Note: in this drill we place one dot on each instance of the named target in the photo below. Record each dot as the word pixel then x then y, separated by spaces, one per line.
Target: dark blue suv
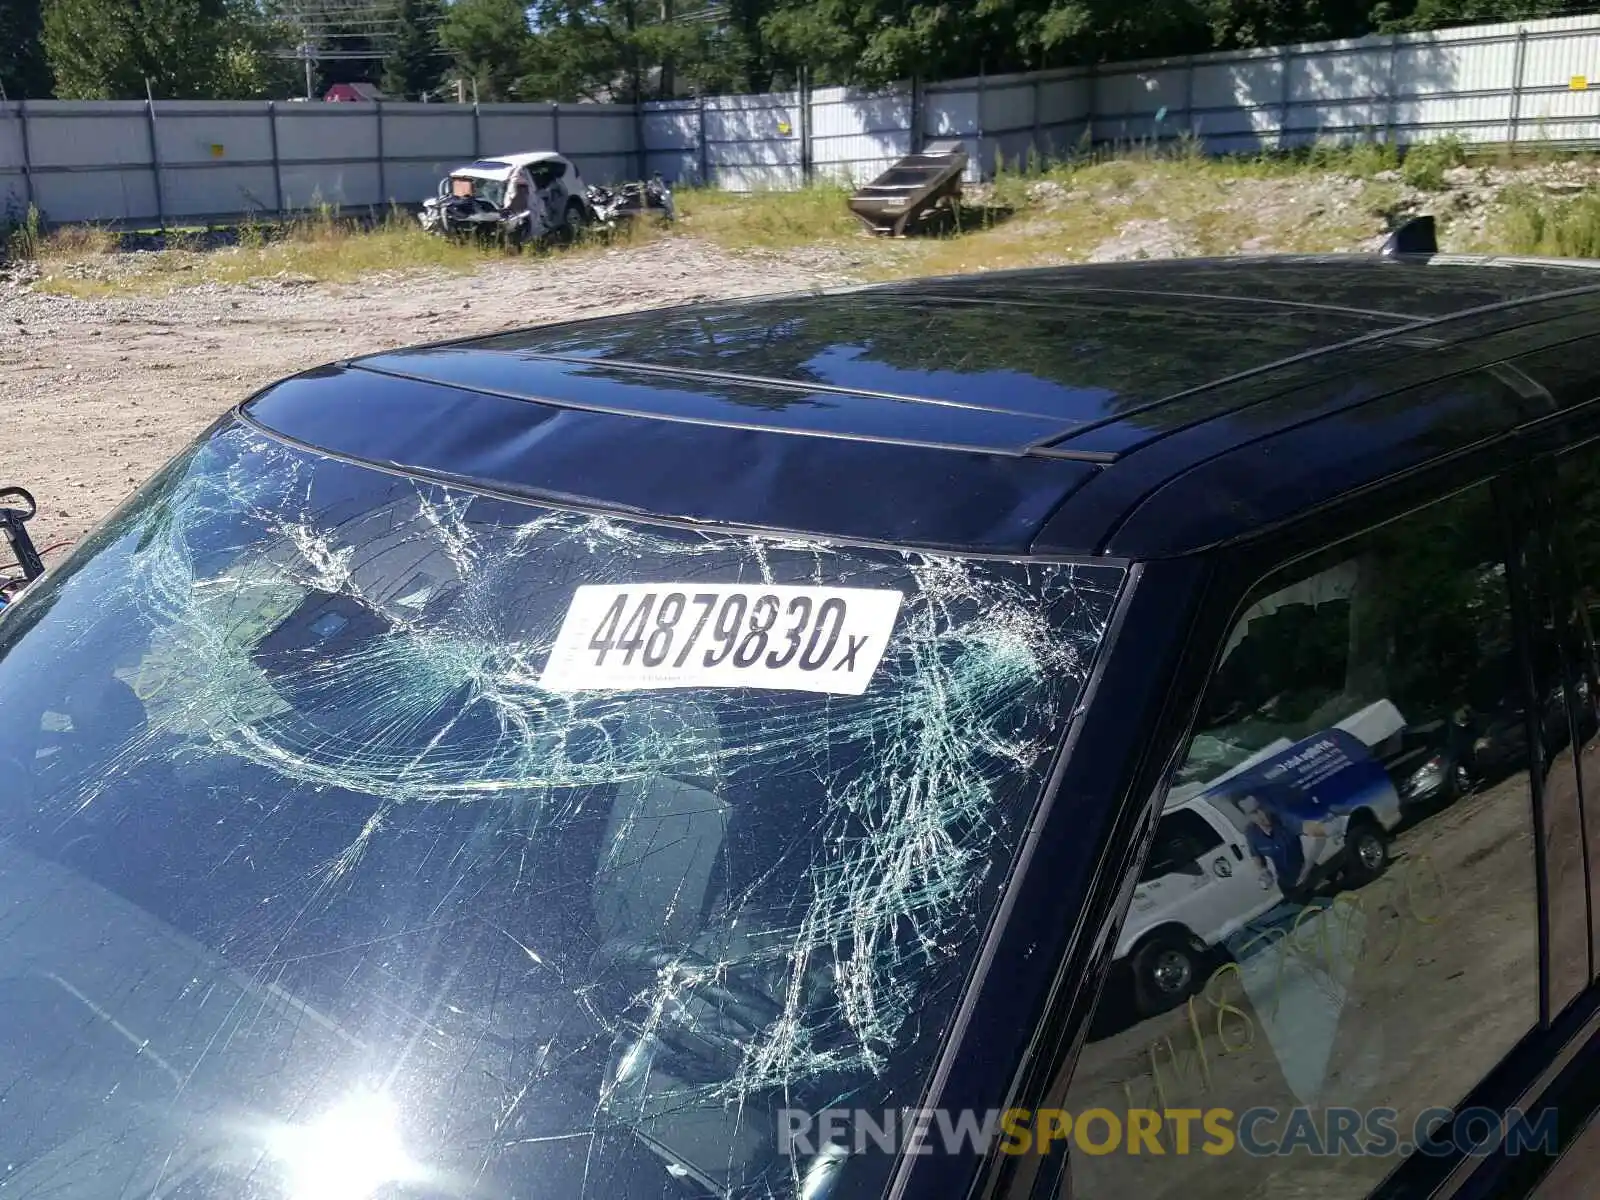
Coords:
pixel 717 752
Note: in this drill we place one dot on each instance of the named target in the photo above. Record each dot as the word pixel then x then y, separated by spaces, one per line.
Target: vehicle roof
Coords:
pixel 510 162
pixel 498 166
pixel 1137 409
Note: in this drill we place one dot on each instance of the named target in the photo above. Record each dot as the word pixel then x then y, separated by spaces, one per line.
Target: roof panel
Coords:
pixel 1403 288
pixel 600 386
pixel 1248 488
pixel 1316 384
pixel 1074 359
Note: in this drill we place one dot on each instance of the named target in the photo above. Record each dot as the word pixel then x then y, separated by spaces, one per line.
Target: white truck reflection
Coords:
pixel 1221 855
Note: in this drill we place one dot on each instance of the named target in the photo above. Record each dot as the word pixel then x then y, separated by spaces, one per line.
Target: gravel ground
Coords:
pixel 97 394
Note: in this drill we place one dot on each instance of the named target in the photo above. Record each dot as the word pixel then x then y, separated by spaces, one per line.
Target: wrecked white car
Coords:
pixel 515 198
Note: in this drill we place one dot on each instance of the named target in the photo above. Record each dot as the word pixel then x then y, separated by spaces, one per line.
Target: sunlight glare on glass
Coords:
pixel 347 1153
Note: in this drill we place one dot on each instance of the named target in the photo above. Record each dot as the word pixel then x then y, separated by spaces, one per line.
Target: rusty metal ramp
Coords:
pixel 912 191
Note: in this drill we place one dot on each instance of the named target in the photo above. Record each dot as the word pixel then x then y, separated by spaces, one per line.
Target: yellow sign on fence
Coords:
pixel 1580 83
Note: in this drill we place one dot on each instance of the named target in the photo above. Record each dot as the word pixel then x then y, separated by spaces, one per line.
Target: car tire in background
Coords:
pixel 1366 849
pixel 1166 970
pixel 575 221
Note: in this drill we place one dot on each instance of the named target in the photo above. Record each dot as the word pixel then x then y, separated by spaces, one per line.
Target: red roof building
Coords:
pixel 353 91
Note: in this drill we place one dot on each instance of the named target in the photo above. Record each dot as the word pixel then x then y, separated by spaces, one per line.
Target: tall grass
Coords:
pixel 20 234
pixel 1425 164
pixel 1531 223
pixel 23 237
pixel 320 245
pixel 771 220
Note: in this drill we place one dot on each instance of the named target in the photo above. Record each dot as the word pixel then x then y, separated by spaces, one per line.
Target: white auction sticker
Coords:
pixel 628 637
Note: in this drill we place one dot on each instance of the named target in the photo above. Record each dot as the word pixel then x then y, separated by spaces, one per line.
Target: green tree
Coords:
pixel 1402 16
pixel 108 49
pixel 619 49
pixel 24 71
pixel 490 42
pixel 575 55
pixel 415 62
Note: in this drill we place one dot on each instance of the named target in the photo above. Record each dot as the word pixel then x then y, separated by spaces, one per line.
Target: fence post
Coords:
pixel 807 144
pixel 916 134
pixel 277 165
pixel 1188 98
pixel 383 176
pixel 477 136
pixel 555 127
pixel 1034 137
pixel 1516 81
pixel 982 159
pixel 700 138
pixel 155 158
pixel 638 139
pixel 1089 110
pixel 1286 58
pixel 1390 85
pixel 27 156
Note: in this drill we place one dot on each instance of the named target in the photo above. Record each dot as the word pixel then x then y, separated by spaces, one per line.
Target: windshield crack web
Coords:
pixel 382 638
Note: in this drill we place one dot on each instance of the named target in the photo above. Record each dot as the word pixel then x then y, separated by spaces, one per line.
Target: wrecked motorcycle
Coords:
pixel 632 199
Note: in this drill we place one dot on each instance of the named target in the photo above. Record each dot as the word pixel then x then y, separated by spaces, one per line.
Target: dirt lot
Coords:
pixel 96 394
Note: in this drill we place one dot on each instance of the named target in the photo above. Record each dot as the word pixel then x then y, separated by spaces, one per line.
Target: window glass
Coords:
pixel 1181 838
pixel 1363 947
pixel 1556 651
pixel 1577 527
pixel 546 173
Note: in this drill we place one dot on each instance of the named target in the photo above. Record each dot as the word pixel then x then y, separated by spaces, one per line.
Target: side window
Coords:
pixel 546 173
pixel 1372 949
pixel 1181 837
pixel 1556 654
pixel 1577 525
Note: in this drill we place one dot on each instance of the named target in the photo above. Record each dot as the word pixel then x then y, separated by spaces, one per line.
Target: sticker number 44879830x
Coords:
pixel 629 637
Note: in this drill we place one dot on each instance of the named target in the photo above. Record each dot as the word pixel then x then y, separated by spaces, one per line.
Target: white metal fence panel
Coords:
pixel 129 161
pixel 754 143
pixel 672 131
pixel 13 182
pixel 854 135
pixel 602 140
pixel 1063 108
pixel 857 135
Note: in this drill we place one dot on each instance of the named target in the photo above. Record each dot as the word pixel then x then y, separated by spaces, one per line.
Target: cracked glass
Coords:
pixel 312 889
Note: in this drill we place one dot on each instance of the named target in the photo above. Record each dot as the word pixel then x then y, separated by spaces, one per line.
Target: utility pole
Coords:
pixel 631 23
pixel 668 91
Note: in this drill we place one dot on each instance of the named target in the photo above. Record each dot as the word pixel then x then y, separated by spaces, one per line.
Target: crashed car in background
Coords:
pixel 515 198
pixel 631 200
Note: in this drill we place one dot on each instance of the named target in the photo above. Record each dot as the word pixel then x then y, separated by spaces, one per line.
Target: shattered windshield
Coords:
pixel 365 836
pixel 491 191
